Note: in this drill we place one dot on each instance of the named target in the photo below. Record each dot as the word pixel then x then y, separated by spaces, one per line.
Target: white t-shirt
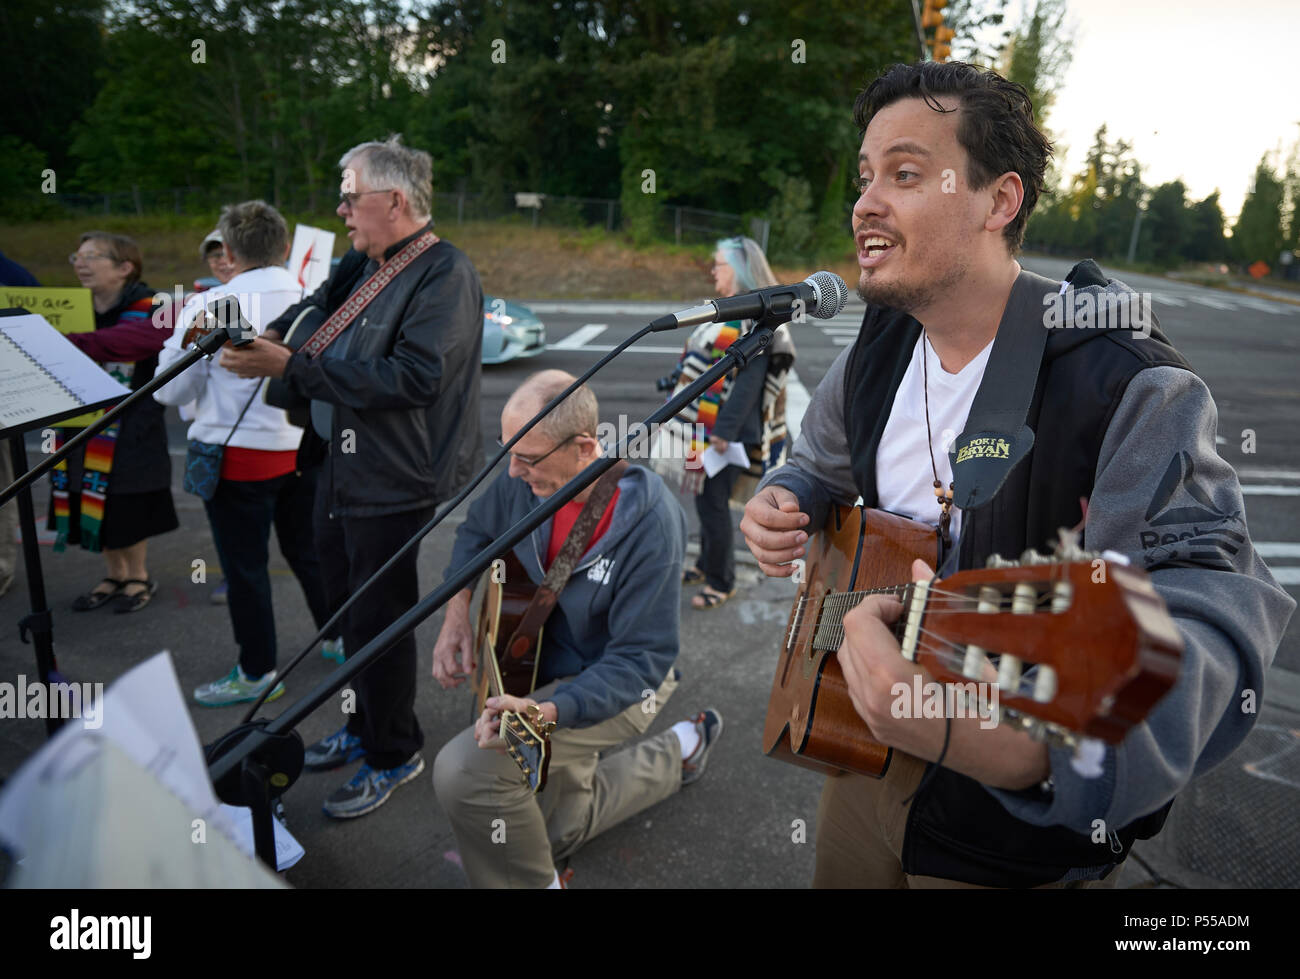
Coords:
pixel 904 479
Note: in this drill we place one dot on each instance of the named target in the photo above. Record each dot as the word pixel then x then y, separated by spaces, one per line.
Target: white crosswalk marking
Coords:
pixel 1165 299
pixel 1269 489
pixel 1272 548
pixel 1286 576
pixel 1262 306
pixel 1212 303
pixel 580 337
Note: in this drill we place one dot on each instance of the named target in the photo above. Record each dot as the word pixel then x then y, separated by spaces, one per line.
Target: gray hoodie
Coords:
pixel 615 627
pixel 1222 598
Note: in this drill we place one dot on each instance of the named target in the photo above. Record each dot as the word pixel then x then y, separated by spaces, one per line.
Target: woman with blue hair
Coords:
pixel 746 408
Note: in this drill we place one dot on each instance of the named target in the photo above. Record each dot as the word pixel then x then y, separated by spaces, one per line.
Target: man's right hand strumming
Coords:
pixel 773 530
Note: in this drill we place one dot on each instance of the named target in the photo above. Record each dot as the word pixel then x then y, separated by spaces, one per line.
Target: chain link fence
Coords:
pixel 679 224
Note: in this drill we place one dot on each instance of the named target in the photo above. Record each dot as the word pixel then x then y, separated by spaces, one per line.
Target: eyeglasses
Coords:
pixel 85 257
pixel 531 463
pixel 349 200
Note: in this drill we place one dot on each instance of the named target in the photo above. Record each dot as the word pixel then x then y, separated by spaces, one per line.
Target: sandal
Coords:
pixel 708 598
pixel 133 603
pixel 693 576
pixel 94 599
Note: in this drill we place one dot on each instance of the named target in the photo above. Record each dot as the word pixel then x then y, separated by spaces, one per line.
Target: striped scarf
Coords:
pixel 99 451
pixel 94 488
pixel 694 423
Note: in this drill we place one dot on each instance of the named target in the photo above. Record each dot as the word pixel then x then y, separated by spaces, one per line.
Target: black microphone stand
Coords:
pixel 39 623
pixel 254 763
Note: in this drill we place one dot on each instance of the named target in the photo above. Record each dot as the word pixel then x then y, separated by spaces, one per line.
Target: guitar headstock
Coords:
pixel 1085 646
pixel 529 747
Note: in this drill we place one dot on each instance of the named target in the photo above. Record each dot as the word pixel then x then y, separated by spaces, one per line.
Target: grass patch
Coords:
pixel 513 259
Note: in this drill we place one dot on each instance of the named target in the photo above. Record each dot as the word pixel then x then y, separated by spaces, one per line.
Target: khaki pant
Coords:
pixel 509 837
pixel 860 827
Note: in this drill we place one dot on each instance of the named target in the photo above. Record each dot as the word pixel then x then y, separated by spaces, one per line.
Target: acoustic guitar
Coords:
pixel 1100 637
pixel 507 592
pixel 275 392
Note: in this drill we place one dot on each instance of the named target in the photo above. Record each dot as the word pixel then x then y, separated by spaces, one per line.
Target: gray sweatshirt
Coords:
pixel 615 628
pixel 1222 598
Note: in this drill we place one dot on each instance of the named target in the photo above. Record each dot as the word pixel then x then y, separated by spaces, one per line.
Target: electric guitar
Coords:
pixel 507 592
pixel 1101 638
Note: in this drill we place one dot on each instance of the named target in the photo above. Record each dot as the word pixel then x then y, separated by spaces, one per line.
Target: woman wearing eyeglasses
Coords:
pixel 746 408
pixel 117 494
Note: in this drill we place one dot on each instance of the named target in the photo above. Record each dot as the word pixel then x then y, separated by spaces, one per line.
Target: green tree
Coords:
pixel 1205 241
pixel 1038 55
pixel 1168 221
pixel 1258 233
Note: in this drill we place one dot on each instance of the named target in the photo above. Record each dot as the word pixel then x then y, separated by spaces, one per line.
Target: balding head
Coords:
pixel 577 413
pixel 563 442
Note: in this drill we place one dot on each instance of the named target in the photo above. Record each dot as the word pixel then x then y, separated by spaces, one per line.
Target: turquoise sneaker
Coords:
pixel 236 688
pixel 333 649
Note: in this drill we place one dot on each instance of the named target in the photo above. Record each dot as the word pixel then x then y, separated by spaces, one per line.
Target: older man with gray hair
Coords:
pixel 391 370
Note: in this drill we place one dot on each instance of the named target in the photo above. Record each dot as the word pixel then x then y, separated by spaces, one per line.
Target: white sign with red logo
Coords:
pixel 309 262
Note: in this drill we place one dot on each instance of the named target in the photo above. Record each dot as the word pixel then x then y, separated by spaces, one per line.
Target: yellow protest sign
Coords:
pixel 67 310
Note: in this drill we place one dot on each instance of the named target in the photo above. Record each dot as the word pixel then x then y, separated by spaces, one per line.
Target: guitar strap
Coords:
pixel 342 317
pixel 996 436
pixel 557 576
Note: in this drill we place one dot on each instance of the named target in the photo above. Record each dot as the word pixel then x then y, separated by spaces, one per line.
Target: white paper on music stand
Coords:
pixel 143 712
pixel 714 461
pixel 42 373
pixel 309 259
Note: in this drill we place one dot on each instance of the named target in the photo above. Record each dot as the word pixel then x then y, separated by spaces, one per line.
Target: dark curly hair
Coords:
pixel 996 126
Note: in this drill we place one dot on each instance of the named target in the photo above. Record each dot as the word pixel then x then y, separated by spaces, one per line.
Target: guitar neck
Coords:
pixel 830 624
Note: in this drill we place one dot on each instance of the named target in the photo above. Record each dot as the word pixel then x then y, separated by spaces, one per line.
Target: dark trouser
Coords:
pixel 241 515
pixel 717 560
pixel 351 550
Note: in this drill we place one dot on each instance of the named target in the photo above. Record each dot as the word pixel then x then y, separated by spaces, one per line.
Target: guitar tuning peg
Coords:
pixel 998 561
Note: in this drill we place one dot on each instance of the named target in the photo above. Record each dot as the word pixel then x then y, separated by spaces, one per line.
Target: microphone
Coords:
pixel 230 320
pixel 823 295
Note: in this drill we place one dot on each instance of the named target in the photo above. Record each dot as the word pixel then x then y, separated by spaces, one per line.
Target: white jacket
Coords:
pixel 263 295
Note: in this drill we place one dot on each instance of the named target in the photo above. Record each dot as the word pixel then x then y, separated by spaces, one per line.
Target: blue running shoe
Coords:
pixel 370 788
pixel 332 752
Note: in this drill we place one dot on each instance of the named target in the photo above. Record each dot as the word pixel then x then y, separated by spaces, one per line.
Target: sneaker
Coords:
pixel 709 725
pixel 370 788
pixel 236 688
pixel 332 752
pixel 218 594
pixel 333 649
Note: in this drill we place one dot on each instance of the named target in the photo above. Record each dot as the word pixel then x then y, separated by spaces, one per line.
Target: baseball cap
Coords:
pixel 213 238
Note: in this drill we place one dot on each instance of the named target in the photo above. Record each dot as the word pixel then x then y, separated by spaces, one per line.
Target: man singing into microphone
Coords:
pixel 950 167
pixel 393 377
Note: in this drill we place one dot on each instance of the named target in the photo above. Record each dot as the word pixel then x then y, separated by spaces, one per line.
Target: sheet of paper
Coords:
pixel 68 365
pixel 27 394
pixel 288 850
pixel 100 821
pixel 715 461
pixel 143 713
